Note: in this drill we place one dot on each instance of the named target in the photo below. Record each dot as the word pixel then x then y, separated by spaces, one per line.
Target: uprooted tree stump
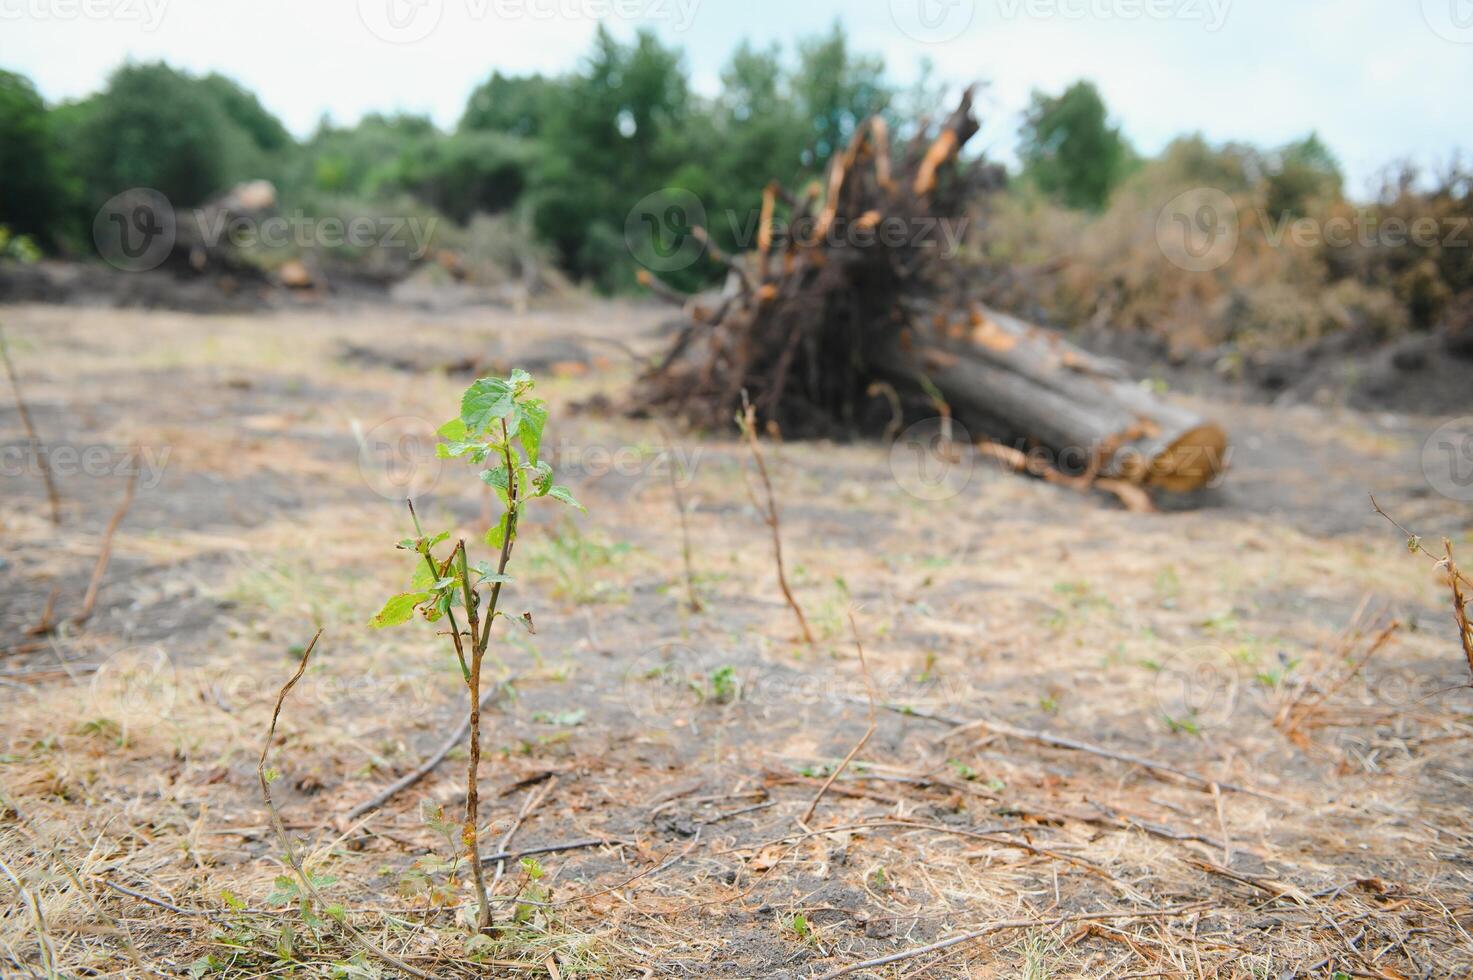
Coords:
pixel 847 295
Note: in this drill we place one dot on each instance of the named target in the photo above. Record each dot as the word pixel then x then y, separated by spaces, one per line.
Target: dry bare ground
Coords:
pixel 1297 802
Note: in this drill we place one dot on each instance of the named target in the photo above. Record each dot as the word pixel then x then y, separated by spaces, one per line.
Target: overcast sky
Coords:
pixel 1379 79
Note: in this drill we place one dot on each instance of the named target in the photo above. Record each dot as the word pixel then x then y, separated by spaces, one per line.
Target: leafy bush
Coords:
pixel 33 195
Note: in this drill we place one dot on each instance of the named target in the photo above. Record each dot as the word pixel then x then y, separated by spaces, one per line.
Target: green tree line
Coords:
pixel 567 155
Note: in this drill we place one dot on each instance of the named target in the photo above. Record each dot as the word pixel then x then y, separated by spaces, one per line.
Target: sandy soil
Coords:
pixel 1324 827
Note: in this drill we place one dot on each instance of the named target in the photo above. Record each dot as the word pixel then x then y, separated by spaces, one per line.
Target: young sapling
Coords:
pixel 500 430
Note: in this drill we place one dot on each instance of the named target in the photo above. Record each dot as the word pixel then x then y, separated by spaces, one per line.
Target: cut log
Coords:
pixel 1017 382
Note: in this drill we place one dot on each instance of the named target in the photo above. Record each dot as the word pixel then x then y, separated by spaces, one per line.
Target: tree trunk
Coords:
pixel 1013 381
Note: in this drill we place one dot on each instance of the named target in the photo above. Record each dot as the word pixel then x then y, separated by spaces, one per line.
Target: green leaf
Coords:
pixel 284 892
pixel 484 402
pixel 423 578
pixel 399 609
pixel 488 575
pixel 497 479
pixel 477 451
pixel 565 495
pixel 453 431
pixel 534 414
pixel 497 534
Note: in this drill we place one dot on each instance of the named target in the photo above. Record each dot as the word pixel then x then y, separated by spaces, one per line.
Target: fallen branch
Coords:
pixel 286 844
pixel 1005 924
pixel 424 768
pixel 869 732
pixel 37 447
pixel 1060 742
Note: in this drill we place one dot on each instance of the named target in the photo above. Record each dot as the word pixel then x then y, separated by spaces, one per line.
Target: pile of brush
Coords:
pixel 848 317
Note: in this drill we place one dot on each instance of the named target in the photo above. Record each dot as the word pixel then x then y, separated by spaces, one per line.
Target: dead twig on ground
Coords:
pixel 534 800
pixel 38 918
pixel 38 448
pixel 748 423
pixel 424 768
pixel 1005 924
pixel 868 732
pixel 1060 742
pixel 1303 706
pixel 104 553
pixel 285 840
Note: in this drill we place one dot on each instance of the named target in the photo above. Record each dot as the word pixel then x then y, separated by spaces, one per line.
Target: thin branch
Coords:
pixel 281 834
pixel 37 446
pixel 424 768
pixel 1003 924
pixel 1456 581
pixel 748 422
pixel 869 732
pixel 1060 742
pixel 105 552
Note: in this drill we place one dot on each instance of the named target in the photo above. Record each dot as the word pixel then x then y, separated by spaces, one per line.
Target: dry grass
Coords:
pixel 694 742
